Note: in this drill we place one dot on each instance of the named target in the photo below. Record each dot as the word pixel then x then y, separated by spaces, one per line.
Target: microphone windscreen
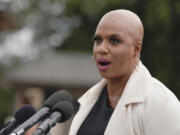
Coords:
pixel 57 97
pixel 65 108
pixel 24 113
pixel 76 106
pixel 21 115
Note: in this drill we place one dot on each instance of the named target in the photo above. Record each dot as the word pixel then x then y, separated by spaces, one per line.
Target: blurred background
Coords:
pixel 45 45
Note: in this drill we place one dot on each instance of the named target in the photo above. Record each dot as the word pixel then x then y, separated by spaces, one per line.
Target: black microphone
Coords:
pixel 44 112
pixel 26 111
pixel 76 106
pixel 61 112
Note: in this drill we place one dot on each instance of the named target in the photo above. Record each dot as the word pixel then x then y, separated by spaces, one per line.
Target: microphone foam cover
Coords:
pixel 57 97
pixel 24 113
pixel 76 106
pixel 66 109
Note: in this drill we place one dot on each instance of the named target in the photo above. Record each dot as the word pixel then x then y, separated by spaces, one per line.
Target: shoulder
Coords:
pixel 160 98
pixel 161 110
pixel 158 93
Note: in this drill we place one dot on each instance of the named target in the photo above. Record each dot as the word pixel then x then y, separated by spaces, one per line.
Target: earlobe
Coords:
pixel 138 47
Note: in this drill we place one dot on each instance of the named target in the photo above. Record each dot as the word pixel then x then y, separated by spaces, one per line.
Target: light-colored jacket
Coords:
pixel 146 107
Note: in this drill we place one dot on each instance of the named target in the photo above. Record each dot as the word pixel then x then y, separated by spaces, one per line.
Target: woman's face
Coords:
pixel 115 48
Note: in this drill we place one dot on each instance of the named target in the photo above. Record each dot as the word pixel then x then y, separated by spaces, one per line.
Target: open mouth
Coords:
pixel 103 64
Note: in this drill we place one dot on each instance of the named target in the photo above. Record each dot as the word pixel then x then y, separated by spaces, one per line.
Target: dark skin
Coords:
pixel 118 39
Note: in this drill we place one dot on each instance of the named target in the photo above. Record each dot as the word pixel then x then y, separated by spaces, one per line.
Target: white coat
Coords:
pixel 146 107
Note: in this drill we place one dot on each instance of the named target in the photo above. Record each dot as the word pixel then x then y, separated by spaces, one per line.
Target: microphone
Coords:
pixel 76 106
pixel 26 111
pixel 43 112
pixel 61 112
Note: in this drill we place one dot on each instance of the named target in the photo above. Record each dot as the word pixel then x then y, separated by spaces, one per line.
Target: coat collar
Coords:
pixel 134 91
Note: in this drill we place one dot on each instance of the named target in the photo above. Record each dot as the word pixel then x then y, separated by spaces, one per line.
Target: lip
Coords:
pixel 103 67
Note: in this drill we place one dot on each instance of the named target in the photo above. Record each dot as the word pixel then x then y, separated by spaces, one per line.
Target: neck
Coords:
pixel 116 86
pixel 115 89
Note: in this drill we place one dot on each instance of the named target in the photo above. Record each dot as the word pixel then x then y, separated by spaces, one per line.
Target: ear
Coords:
pixel 138 47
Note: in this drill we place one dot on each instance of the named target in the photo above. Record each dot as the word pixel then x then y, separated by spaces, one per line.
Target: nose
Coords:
pixel 103 48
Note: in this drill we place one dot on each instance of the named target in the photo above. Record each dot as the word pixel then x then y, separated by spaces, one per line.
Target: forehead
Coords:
pixel 124 24
pixel 113 25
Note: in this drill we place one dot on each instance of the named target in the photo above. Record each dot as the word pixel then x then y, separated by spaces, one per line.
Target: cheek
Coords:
pixel 94 52
pixel 124 57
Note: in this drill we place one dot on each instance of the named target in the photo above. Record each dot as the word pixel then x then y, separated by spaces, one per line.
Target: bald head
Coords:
pixel 126 21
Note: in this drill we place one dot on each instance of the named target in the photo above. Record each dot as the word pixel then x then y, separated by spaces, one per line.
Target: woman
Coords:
pixel 128 101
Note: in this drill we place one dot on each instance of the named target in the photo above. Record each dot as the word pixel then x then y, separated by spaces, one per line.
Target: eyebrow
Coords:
pixel 116 35
pixel 97 35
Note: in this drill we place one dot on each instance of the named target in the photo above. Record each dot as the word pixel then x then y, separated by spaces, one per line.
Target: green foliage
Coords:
pixel 6 100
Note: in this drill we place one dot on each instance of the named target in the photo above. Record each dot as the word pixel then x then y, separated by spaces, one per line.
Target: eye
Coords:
pixel 114 41
pixel 97 39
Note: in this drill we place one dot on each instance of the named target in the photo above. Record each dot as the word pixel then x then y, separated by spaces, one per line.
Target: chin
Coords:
pixel 111 76
pixel 108 76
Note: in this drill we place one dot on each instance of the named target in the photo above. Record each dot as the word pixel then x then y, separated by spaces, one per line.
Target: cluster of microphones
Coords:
pixel 59 107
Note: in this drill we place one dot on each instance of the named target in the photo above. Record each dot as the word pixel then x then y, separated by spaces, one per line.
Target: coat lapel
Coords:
pixel 87 102
pixel 134 93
